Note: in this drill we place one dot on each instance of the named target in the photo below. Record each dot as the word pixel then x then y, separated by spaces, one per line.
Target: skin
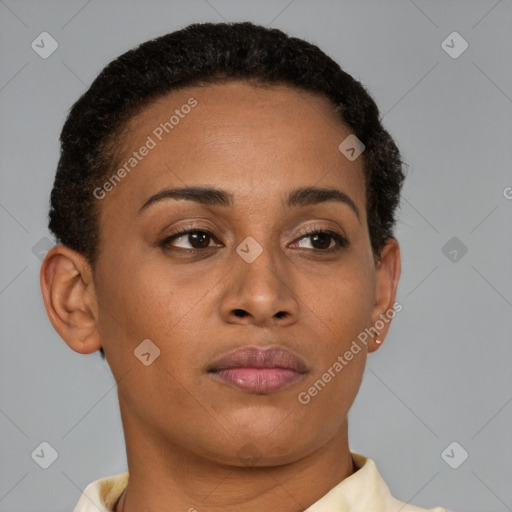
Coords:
pixel 183 428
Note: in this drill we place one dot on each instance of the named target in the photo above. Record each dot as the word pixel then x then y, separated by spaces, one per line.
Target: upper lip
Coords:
pixel 259 357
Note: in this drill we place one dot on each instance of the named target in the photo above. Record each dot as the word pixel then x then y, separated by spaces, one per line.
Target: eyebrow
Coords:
pixel 210 196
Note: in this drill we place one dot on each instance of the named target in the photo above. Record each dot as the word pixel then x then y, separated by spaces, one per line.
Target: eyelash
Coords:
pixel 341 241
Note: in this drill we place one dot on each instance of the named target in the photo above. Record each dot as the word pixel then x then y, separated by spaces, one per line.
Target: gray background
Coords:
pixel 443 374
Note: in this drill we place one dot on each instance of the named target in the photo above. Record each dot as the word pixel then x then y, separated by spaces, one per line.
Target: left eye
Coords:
pixel 195 239
pixel 323 240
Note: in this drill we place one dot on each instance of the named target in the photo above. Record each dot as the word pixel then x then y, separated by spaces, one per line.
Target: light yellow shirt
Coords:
pixel 363 491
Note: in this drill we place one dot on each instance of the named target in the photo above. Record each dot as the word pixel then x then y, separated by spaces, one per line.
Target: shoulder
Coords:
pixel 383 497
pixel 100 495
pixel 364 491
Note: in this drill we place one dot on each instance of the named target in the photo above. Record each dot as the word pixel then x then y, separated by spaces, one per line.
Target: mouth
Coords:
pixel 259 370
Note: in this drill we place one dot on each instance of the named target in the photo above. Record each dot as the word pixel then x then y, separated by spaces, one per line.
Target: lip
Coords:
pixel 259 370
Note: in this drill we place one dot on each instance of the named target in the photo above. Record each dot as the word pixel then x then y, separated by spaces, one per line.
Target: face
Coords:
pixel 252 264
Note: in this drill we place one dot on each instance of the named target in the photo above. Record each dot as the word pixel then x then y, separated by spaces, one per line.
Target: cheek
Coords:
pixel 152 300
pixel 146 302
pixel 343 301
pixel 342 311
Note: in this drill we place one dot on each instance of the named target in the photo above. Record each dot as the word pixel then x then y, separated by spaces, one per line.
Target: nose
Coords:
pixel 260 293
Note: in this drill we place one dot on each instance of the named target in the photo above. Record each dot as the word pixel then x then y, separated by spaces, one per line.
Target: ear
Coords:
pixel 70 299
pixel 385 308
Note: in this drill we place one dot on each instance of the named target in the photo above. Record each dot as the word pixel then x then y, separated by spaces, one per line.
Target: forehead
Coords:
pixel 249 140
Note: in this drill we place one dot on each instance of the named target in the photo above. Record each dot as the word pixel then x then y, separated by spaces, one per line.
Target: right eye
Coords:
pixel 189 240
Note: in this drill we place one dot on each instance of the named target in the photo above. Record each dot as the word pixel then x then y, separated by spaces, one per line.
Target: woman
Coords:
pixel 224 205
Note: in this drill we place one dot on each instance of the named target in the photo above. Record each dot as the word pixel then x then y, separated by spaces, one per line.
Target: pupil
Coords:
pixel 199 238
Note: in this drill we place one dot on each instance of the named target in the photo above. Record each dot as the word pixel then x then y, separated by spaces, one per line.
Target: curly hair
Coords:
pixel 208 53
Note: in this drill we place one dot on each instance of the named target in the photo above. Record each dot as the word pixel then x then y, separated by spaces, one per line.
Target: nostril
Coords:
pixel 240 313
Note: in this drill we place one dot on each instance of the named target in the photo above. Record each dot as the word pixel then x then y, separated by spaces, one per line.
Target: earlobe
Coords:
pixel 388 275
pixel 69 298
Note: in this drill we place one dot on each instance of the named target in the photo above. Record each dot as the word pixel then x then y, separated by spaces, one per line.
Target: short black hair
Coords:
pixel 208 53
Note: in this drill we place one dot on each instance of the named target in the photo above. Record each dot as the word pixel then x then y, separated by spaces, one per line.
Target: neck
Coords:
pixel 161 472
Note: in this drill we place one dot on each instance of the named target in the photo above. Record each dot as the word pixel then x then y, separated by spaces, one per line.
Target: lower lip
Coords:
pixel 259 380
